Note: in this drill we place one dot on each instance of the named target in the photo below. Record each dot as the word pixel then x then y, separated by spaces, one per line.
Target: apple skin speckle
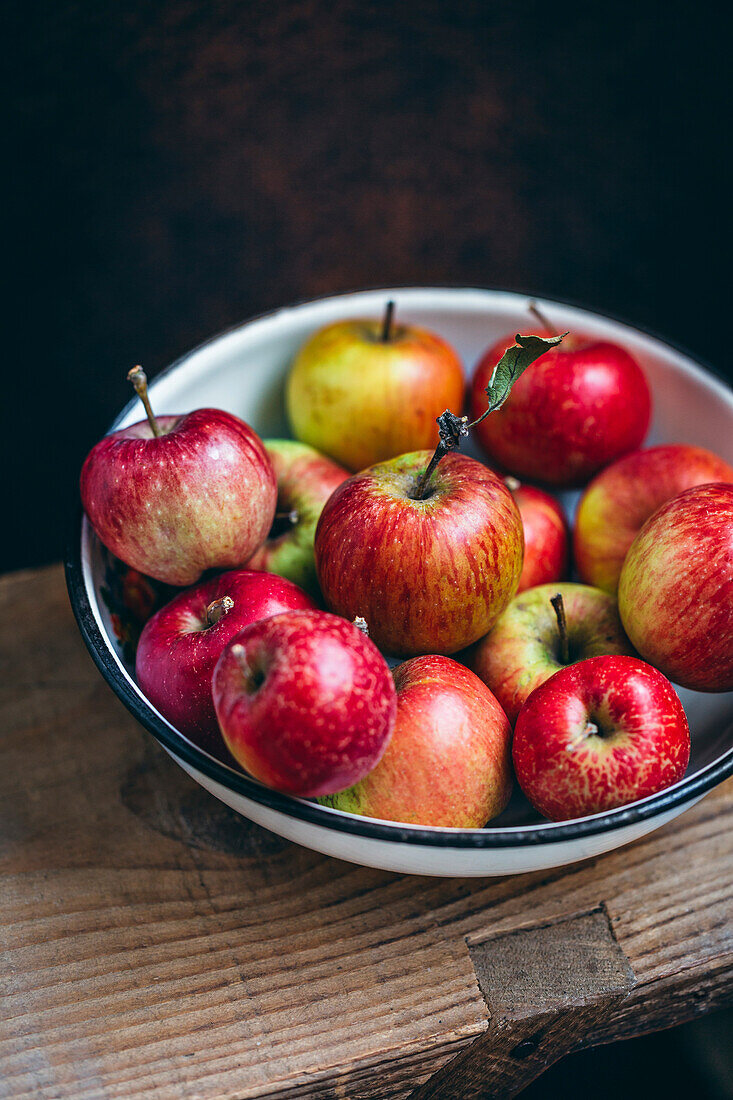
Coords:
pixel 448 763
pixel 200 496
pixel 642 745
pixel 578 407
pixel 305 702
pixel 305 481
pixel 429 576
pixel 178 649
pixel 675 593
pixel 360 399
pixel 546 536
pixel 522 651
pixel 620 500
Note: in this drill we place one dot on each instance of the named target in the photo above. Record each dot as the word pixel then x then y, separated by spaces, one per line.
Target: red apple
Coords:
pixel 675 593
pixel 535 637
pixel 363 391
pixel 448 763
pixel 182 642
pixel 429 575
pixel 621 499
pixel 305 702
pixel 177 495
pixel 597 735
pixel 545 535
pixel 581 405
pixel 305 481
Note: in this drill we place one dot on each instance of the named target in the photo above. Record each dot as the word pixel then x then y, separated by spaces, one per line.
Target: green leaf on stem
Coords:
pixel 512 364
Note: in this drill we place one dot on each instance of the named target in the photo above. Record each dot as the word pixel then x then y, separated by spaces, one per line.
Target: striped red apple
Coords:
pixel 579 407
pixel 429 572
pixel 305 702
pixel 448 763
pixel 621 499
pixel 675 593
pixel 174 496
pixel 598 735
pixel 541 631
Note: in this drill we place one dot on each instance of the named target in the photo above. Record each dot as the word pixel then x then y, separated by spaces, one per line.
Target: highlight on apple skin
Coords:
pixel 620 500
pixel 364 391
pixel 305 481
pixel 180 645
pixel 448 763
pixel 525 647
pixel 580 406
pixel 200 495
pixel 429 575
pixel 305 702
pixel 676 589
pixel 598 735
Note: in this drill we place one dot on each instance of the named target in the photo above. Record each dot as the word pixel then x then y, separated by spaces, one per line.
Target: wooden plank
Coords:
pixel 544 986
pixel 157 945
pixel 551 967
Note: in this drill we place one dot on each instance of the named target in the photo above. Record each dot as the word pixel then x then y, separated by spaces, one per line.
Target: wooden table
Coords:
pixel 156 945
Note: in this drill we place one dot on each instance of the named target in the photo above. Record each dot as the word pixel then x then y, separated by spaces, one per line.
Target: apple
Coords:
pixel 621 499
pixel 448 762
pixel 598 735
pixel 182 642
pixel 363 391
pixel 675 594
pixel 541 631
pixel 305 702
pixel 305 481
pixel 580 406
pixel 430 570
pixel 545 535
pixel 177 495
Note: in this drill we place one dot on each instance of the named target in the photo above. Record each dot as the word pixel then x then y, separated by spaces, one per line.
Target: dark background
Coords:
pixel 174 167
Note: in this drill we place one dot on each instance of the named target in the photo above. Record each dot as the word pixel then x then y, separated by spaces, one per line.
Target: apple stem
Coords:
pixel 139 379
pixel 534 309
pixel 450 430
pixel 290 517
pixel 387 323
pixel 217 609
pixel 422 484
pixel 562 627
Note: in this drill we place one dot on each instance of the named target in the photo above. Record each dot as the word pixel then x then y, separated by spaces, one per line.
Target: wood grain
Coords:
pixel 156 945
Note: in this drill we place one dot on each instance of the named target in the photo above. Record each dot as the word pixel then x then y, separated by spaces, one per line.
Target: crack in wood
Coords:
pixel 544 986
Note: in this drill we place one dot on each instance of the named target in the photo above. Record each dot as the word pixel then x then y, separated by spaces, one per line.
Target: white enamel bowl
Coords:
pixel 244 371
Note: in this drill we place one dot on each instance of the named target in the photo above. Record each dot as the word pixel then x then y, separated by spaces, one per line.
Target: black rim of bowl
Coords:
pixel 487 838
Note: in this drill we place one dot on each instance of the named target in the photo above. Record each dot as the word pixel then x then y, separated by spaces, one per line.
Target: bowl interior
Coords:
pixel 244 372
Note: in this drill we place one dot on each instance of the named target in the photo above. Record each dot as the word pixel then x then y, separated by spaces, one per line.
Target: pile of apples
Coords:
pixel 304 563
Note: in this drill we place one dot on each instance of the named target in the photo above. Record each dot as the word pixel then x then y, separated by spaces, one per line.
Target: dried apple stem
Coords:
pixel 217 609
pixel 534 309
pixel 422 485
pixel 287 517
pixel 139 379
pixel 450 430
pixel 387 323
pixel 511 365
pixel 562 627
